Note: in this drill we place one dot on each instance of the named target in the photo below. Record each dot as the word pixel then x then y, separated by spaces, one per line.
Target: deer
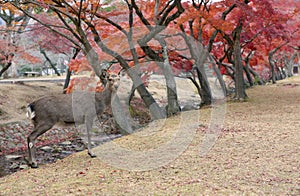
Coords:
pixel 78 107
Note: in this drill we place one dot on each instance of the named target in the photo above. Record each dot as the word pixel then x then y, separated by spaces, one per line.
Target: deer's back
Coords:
pixel 64 107
pixel 53 108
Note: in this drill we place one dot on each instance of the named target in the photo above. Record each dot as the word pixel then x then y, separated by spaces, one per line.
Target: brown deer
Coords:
pixel 78 107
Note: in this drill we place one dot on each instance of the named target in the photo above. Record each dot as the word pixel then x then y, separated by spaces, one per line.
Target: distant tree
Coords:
pixel 15 23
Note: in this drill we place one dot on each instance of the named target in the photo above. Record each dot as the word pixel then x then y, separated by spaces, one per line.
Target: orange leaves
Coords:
pixel 79 65
pixel 46 1
pixel 82 82
pixel 85 84
pixel 131 64
pixel 10 7
pixel 7 6
pixel 224 26
pixel 208 21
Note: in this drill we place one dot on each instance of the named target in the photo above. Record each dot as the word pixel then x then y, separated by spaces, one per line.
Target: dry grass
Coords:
pixel 15 97
pixel 257 154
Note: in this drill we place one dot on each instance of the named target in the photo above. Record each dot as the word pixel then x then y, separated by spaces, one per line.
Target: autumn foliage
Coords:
pixel 113 29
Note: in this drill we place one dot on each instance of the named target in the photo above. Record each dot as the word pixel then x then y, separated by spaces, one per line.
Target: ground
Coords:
pixel 15 97
pixel 256 152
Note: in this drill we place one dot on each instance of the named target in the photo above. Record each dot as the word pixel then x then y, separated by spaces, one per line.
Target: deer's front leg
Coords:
pixel 31 151
pixel 89 124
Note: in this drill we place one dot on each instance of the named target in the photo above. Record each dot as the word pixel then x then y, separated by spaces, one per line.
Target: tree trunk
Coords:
pixel 42 51
pixel 240 93
pixel 278 72
pixel 256 76
pixel 249 71
pixel 67 81
pixel 164 64
pixel 173 106
pixel 5 68
pixel 196 85
pixel 7 63
pixel 205 92
pixel 248 75
pixel 272 65
pixel 219 76
pixel 289 64
pixel 149 101
pixel 68 76
pixel 200 55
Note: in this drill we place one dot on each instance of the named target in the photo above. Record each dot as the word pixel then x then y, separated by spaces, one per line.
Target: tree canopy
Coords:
pixel 251 41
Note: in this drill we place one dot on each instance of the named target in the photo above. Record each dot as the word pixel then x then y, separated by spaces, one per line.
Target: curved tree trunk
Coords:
pixel 205 92
pixel 219 76
pixel 248 75
pixel 289 64
pixel 5 68
pixel 164 64
pixel 193 80
pixel 200 55
pixel 6 63
pixel 256 76
pixel 272 63
pixel 68 76
pixel 42 51
pixel 173 106
pixel 148 99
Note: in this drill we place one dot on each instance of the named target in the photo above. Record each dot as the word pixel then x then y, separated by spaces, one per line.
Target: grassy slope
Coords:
pixel 258 153
pixel 15 97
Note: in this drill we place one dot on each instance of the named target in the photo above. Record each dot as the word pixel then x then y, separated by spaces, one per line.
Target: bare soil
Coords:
pixel 14 98
pixel 257 153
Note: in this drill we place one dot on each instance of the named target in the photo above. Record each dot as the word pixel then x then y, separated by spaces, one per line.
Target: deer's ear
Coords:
pixel 122 72
pixel 104 74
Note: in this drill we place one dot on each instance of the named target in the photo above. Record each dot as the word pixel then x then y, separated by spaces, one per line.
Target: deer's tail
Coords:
pixel 30 111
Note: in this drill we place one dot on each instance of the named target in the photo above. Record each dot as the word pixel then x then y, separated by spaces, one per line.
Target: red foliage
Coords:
pixel 85 83
pixel 79 65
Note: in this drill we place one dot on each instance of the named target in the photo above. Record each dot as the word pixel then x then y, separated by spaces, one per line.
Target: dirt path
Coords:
pixel 33 79
pixel 257 153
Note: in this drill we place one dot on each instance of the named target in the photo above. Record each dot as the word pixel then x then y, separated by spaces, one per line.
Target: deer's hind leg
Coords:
pixel 38 130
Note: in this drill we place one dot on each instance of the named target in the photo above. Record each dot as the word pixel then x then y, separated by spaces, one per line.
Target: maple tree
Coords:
pixel 275 33
pixel 47 41
pixel 199 37
pixel 15 23
pixel 287 41
pixel 242 19
pixel 162 16
pixel 236 28
pixel 237 35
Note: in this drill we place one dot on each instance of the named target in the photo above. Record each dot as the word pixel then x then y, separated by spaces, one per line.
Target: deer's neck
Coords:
pixel 105 96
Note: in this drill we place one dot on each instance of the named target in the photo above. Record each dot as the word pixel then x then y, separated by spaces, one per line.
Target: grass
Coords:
pixel 257 153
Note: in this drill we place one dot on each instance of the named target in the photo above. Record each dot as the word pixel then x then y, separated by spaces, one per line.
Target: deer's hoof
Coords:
pixel 34 165
pixel 92 155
